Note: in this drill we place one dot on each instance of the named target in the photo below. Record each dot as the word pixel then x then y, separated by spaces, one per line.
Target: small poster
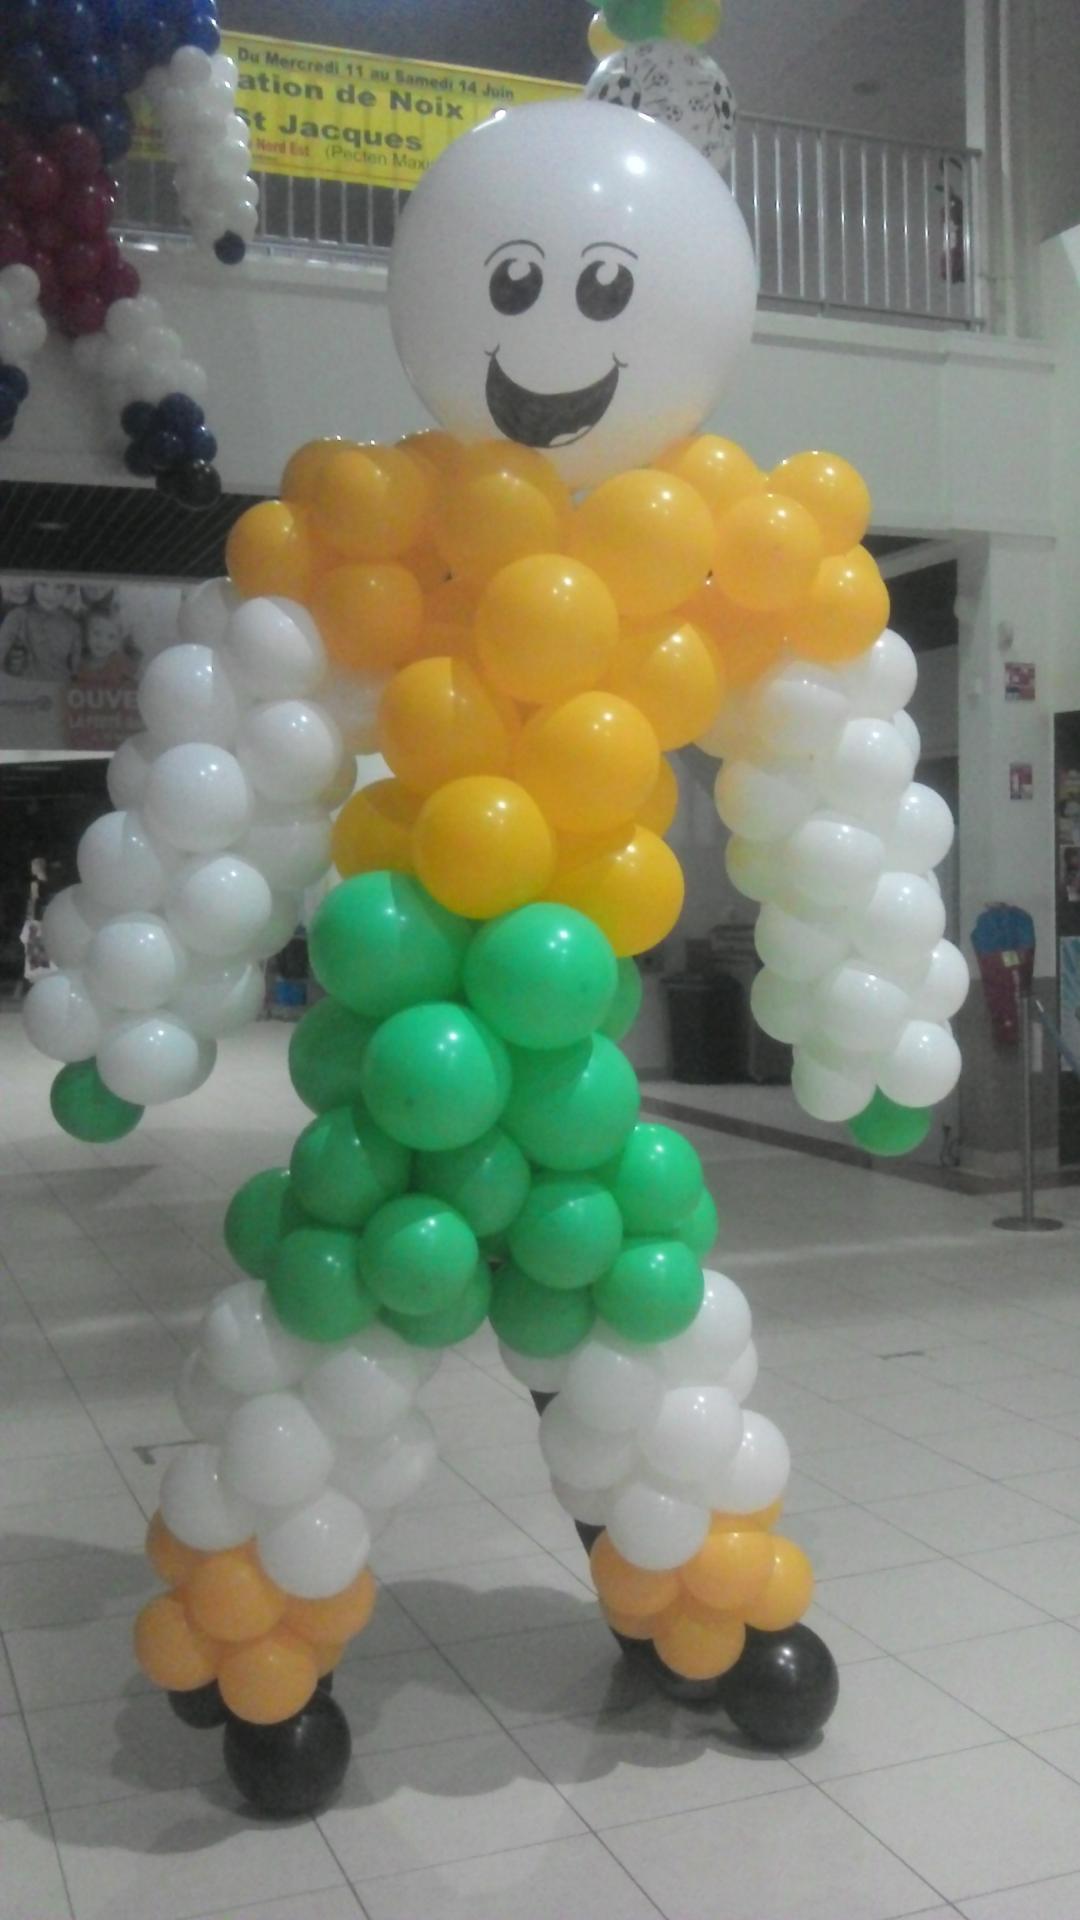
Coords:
pixel 1069 991
pixel 1021 780
pixel 1070 873
pixel 1019 679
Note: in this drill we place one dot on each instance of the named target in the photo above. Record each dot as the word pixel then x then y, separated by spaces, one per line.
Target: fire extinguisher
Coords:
pixel 1004 941
pixel 952 227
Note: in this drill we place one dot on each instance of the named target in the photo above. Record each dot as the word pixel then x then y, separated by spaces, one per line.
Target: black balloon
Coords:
pixel 783 1688
pixel 201 1707
pixel 675 1686
pixel 195 484
pixel 294 1767
pixel 230 249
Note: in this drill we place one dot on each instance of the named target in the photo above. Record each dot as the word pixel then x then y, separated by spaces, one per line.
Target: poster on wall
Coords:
pixel 1019 680
pixel 71 656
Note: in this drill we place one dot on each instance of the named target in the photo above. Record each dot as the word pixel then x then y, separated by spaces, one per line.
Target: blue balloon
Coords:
pixel 95 80
pixel 180 414
pixel 23 22
pixel 202 31
pixel 73 27
pixel 114 131
pixel 137 460
pixel 130 65
pixel 49 102
pixel 164 449
pixel 202 445
pixel 138 417
pixel 158 38
pixel 28 67
pixel 14 381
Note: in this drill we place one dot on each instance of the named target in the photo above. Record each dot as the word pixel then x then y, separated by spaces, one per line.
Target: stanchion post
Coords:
pixel 1026 1221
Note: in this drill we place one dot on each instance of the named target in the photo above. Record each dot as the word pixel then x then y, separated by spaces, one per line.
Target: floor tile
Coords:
pixel 44 1418
pixel 566 1878
pixel 961 1520
pixel 20 1789
pixel 843 1540
pixel 1046 1900
pixel 548 1675
pixel 1046 1572
pixel 923 1606
pixel 1003 1447
pixel 1023 1682
pixel 43 1529
pixel 542 1520
pixel 922 1411
pixel 33 1884
pixel 495 1470
pixel 81 1476
pixel 497 1596
pixel 1060 1490
pixel 109 1749
pixel 421 1541
pixel 885 1470
pixel 887 1714
pixel 408 1699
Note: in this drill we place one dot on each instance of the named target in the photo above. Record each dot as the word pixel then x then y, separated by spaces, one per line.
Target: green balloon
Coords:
pixel 343 1166
pixel 635 19
pixel 453 1323
pixel 487 1180
pixel 887 1129
pixel 325 1055
pixel 316 1285
pixel 82 1104
pixel 568 1232
pixel 260 1214
pixel 700 1229
pixel 379 943
pixel 539 1320
pixel 626 1005
pixel 435 1076
pixel 544 976
pixel 417 1254
pixel 653 1290
pixel 572 1109
pixel 656 1179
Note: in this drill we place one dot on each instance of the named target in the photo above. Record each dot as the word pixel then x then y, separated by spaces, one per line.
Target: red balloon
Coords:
pixel 87 210
pixel 45 267
pixel 12 140
pixel 34 181
pixel 14 246
pixel 82 311
pixel 79 263
pixel 48 233
pixel 78 152
pixel 120 282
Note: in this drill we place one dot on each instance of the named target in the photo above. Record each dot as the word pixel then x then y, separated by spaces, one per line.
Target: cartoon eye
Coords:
pixel 516 285
pixel 604 290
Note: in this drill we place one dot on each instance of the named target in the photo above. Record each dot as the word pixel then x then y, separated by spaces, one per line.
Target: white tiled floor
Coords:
pixel 507 1767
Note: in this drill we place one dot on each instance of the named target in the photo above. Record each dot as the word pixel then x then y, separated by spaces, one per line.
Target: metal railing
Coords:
pixel 841 222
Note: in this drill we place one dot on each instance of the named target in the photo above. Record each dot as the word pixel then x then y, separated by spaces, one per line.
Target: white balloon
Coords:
pixel 742 1377
pixel 198 1507
pixel 274 649
pixel 279 927
pixel 859 1009
pixel 945 988
pixel 799 709
pixel 219 997
pixel 656 1529
pixel 186 695
pixel 204 1407
pixel 695 1435
pixel 534 1370
pixel 703 1352
pixel 219 905
pixel 909 734
pixel 68 925
pixel 384 1473
pixel 153 1057
pixel 923 1067
pixel 20 284
pixel 587 1504
pixel 120 863
pixel 795 947
pixel 290 845
pixel 341 787
pixel 129 320
pixel 882 679
pixel 61 1019
pixel 275 1453
pixel 22 334
pixel 191 379
pixel 318 1550
pixel 366 1389
pixel 354 700
pixel 782 1008
pixel 732 735
pixel 759 1472
pixel 828 1084
pixel 603 362
pixel 901 923
pixel 289 749
pixel 869 763
pixel 922 833
pixel 190 67
pixel 833 863
pixel 580 1455
pixel 753 866
pixel 135 962
pixel 244 1345
pixel 763 802
pixel 129 770
pixel 198 798
pixel 610 1383
pixel 205 612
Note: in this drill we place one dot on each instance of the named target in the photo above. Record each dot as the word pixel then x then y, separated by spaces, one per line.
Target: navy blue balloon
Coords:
pixel 180 414
pixel 9 407
pixel 137 460
pixel 130 65
pixel 114 130
pixel 158 38
pixel 73 27
pixel 22 22
pixel 138 417
pixel 202 31
pixel 48 102
pixel 164 449
pixel 28 67
pixel 96 81
pixel 230 249
pixel 202 445
pixel 14 381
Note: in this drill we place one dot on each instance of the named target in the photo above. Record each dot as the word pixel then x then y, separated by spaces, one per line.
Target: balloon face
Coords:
pixel 593 311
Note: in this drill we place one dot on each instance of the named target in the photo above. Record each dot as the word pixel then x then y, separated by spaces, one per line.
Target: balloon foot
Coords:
pixel 783 1688
pixel 293 1767
pixel 200 1706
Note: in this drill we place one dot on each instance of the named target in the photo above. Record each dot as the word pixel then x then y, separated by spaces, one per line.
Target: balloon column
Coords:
pixel 69 67
pixel 524 612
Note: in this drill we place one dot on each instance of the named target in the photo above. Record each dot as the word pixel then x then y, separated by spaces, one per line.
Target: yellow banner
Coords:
pixel 325 113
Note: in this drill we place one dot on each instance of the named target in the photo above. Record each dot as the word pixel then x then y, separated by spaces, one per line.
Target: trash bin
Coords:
pixel 707 1021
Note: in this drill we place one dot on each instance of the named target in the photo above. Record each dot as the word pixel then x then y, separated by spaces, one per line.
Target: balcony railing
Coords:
pixel 841 222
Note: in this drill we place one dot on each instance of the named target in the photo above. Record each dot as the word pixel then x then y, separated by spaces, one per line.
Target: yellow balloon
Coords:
pixel 627 1589
pixel 230 1597
pixel 832 490
pixel 482 847
pixel 692 20
pixel 372 503
pixel 440 450
pixel 171 1652
pixel 449 613
pixel 746 644
pixel 844 612
pixel 657 811
pixel 438 721
pixel 589 762
pixel 601 39
pixel 486 457
pixel 546 627
pixel 787 1592
pixel 672 676
pixel 369 615
pixel 269 551
pixel 768 550
pixel 730 1570
pixel 270 1679
pixel 374 830
pixel 700 1648
pixel 426 565
pixel 171 1560
pixel 720 470
pixel 649 536
pixel 629 882
pixel 302 470
pixel 486 521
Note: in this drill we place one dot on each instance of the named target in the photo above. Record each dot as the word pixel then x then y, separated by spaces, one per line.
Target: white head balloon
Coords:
pixel 573 279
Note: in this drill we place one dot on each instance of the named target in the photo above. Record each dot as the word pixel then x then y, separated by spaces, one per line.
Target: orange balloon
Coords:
pixel 485 457
pixel 546 627
pixel 171 1560
pixel 338 1618
pixel 372 503
pixel 628 1589
pixel 373 831
pixel 483 847
pixel 832 490
pixel 768 550
pixel 449 612
pixel 327 1657
pixel 787 1592
pixel 269 551
pixel 692 20
pixel 649 536
pixel 486 521
pixel 700 1649
pixel 718 469
pixel 270 1679
pixel 590 761
pixel 426 564
pixel 303 468
pixel 629 882
pixel 632 1626
pixel 730 1570
pixel 437 721
pixel 763 1519
pixel 230 1597
pixel 845 611
pixel 369 616
pixel 171 1652
pixel 657 811
pixel 672 676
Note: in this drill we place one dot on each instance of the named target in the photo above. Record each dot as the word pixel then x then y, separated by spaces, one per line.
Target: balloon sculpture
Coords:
pixel 524 612
pixel 69 67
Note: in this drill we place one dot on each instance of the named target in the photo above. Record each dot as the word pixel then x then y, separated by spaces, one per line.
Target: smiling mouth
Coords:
pixel 547 419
